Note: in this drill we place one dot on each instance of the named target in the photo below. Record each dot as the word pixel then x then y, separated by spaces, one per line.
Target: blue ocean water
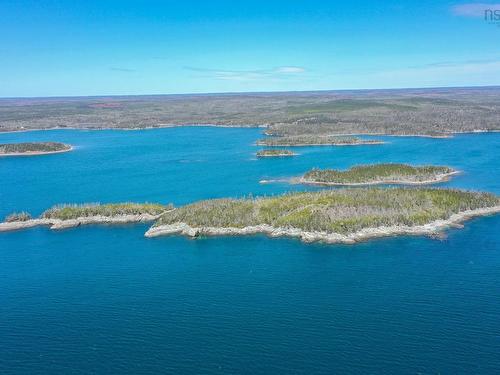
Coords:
pixel 107 300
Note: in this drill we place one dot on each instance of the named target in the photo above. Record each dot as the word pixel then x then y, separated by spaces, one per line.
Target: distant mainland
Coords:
pixel 432 112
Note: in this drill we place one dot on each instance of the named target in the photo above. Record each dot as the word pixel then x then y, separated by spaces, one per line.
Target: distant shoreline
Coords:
pixel 436 136
pixel 250 126
pixel 166 126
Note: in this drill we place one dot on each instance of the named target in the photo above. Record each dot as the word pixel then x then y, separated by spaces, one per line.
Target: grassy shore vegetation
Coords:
pixel 32 147
pixel 377 173
pixel 311 140
pixel 274 153
pixel 18 216
pixel 341 211
pixel 74 211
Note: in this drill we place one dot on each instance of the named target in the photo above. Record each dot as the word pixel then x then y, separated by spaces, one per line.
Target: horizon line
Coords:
pixel 229 93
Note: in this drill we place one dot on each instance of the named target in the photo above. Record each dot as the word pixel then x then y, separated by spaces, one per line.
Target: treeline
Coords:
pixel 18 216
pixel 75 211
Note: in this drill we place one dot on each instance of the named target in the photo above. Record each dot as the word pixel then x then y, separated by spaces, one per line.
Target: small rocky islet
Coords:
pixel 275 153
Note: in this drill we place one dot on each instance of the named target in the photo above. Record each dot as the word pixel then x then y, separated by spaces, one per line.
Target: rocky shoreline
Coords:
pixel 277 155
pixel 36 153
pixel 438 179
pixel 326 237
pixel 71 223
pixel 300 180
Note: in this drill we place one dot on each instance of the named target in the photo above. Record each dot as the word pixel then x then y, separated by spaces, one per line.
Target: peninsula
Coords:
pixel 33 148
pixel 376 174
pixel 333 216
pixel 274 153
pixel 316 140
pixel 67 216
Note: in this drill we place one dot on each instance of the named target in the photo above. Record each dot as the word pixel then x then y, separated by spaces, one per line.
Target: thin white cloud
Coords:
pixel 448 64
pixel 290 69
pixel 465 73
pixel 474 9
pixel 238 76
pixel 118 69
pixel 280 72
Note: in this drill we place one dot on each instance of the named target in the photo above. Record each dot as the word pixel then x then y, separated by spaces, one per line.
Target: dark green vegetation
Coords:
pixel 415 111
pixel 74 211
pixel 18 216
pixel 341 211
pixel 274 153
pixel 314 140
pixel 32 147
pixel 377 173
pixel 345 105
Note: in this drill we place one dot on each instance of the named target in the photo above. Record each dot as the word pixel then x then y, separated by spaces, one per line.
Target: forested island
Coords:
pixel 316 140
pixel 274 153
pixel 72 215
pixel 389 173
pixel 342 215
pixel 32 148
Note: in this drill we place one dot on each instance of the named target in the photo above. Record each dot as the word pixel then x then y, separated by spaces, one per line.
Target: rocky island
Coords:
pixel 333 216
pixel 316 140
pixel 275 153
pixel 33 148
pixel 390 173
pixel 67 216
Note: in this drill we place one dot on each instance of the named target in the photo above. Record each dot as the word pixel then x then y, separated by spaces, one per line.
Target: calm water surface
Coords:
pixel 107 300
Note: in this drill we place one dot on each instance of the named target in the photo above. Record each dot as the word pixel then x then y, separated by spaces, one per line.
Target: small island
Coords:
pixel 333 216
pixel 316 140
pixel 33 148
pixel 72 215
pixel 275 153
pixel 390 173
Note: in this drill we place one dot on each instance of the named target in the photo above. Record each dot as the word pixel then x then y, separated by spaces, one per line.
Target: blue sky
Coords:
pixel 59 48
